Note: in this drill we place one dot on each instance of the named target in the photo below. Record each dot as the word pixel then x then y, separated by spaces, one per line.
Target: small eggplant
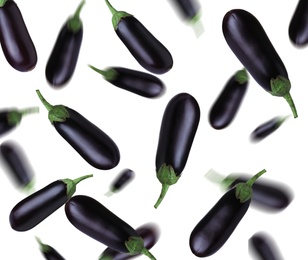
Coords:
pixel 11 118
pixel 49 252
pixel 249 42
pixel 17 165
pixel 216 227
pixel 178 128
pixel 150 53
pixel 229 100
pixel 15 39
pixel 138 82
pixel 267 128
pixel 63 59
pixel 148 232
pixel 32 210
pixel 93 145
pixel 268 195
pixel 298 27
pixel 121 181
pixel 93 219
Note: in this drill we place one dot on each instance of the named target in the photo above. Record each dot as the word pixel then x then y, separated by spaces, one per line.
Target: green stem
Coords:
pixel 108 74
pixel 147 253
pixel 289 99
pixel 44 101
pixel 15 116
pixel 135 246
pixel 71 184
pixel 116 15
pixel 74 23
pixel 282 119
pixel 43 247
pixel 196 24
pixel 216 177
pixel 163 192
pixel 241 76
pixel 2 3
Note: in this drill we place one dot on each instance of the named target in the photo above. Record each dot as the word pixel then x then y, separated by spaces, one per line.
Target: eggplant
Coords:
pixel 177 132
pixel 48 251
pixel 216 227
pixel 92 144
pixel 123 178
pixel 96 221
pixel 63 59
pixel 10 118
pixel 39 205
pixel 227 104
pixel 138 82
pixel 298 27
pixel 148 232
pixel 147 50
pixel 249 42
pixel 17 45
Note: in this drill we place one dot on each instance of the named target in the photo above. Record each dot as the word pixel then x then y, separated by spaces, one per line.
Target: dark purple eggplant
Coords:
pixel 298 27
pixel 93 145
pixel 123 178
pixel 226 106
pixel 96 221
pixel 63 59
pixel 249 42
pixel 148 232
pixel 150 53
pixel 16 165
pixel 138 82
pixel 267 128
pixel 10 118
pixel 178 128
pixel 16 43
pixel 49 252
pixel 36 207
pixel 216 227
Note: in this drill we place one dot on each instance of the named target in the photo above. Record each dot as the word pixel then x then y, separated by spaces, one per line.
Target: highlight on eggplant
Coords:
pixel 216 227
pixel 96 221
pixel 121 181
pixel 17 166
pixel 298 27
pixel 36 207
pixel 267 128
pixel 150 234
pixel 138 82
pixel 10 118
pixel 249 42
pixel 268 195
pixel 17 45
pixel 228 102
pixel 91 143
pixel 48 251
pixel 177 132
pixel 147 50
pixel 63 59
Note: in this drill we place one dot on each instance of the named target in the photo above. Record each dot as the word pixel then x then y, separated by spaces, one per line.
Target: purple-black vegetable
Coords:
pixel 123 178
pixel 48 251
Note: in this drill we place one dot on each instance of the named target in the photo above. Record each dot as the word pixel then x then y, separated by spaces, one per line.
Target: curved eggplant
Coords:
pixel 49 252
pixel 249 42
pixel 178 128
pixel 150 53
pixel 16 43
pixel 93 145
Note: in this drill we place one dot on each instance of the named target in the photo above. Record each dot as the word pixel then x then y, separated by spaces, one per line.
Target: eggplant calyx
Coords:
pixel 116 15
pixel 74 23
pixel 71 184
pixel 43 247
pixel 2 3
pixel 135 245
pixel 108 74
pixel 241 76
pixel 14 117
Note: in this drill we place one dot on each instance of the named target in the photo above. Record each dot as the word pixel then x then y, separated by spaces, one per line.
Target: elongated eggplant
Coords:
pixel 138 82
pixel 63 59
pixel 148 51
pixel 216 227
pixel 298 27
pixel 123 178
pixel 48 251
pixel 17 166
pixel 269 195
pixel 249 42
pixel 16 42
pixel 36 207
pixel 93 145
pixel 10 118
pixel 226 106
pixel 148 232
pixel 178 128
pixel 267 128
pixel 96 221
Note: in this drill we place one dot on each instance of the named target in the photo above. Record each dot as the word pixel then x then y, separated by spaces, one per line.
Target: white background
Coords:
pixel 201 67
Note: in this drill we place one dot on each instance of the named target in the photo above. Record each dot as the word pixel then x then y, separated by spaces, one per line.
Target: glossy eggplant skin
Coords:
pixel 226 106
pixel 215 228
pixel 298 27
pixel 16 43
